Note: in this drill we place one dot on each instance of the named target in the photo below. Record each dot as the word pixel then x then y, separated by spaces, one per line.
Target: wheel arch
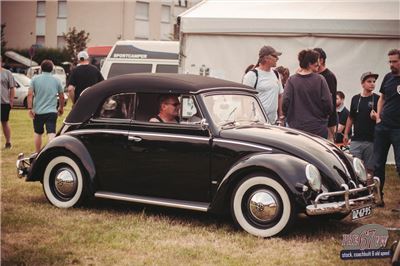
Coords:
pixel 64 145
pixel 289 173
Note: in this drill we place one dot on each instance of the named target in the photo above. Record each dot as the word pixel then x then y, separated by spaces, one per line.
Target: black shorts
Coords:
pixel 5 112
pixel 49 119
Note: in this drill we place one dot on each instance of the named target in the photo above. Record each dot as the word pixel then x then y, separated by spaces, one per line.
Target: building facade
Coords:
pixel 44 22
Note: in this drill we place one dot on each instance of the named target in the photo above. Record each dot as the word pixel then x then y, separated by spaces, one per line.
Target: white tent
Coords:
pixel 222 37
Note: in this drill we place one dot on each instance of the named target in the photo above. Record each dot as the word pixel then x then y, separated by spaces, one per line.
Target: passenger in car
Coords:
pixel 169 107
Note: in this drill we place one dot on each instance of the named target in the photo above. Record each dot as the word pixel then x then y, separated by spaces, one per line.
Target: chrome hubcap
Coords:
pixel 65 182
pixel 263 205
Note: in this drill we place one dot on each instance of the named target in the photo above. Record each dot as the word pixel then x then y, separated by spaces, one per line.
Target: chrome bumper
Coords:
pixel 23 164
pixel 348 204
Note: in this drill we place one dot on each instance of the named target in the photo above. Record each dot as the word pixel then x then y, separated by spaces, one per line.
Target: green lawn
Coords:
pixel 33 232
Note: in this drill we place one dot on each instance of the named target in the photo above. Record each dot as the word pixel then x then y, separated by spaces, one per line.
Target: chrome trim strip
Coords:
pixel 91 131
pixel 242 143
pixel 135 133
pixel 167 135
pixel 181 204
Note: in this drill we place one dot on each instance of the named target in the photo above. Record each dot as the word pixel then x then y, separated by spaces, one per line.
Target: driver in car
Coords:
pixel 169 107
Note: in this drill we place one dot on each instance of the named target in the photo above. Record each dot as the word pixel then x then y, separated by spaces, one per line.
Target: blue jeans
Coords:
pixel 384 137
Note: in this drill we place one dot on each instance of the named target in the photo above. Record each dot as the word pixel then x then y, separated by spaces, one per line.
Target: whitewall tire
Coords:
pixel 63 182
pixel 261 206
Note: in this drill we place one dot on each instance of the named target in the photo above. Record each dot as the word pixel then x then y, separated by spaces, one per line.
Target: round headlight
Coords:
pixel 313 177
pixel 359 168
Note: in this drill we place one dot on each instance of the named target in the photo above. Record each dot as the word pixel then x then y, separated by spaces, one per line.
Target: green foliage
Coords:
pixel 76 41
pixel 55 54
pixel 3 40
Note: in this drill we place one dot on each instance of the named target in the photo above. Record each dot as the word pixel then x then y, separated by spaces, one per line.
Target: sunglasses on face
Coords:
pixel 174 104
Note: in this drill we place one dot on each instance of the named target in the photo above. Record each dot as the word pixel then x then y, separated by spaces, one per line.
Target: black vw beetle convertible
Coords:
pixel 220 155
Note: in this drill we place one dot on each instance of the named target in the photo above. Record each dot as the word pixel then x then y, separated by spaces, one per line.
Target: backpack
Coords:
pixel 256 72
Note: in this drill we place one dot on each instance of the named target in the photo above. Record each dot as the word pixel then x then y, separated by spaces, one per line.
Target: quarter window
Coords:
pixel 118 106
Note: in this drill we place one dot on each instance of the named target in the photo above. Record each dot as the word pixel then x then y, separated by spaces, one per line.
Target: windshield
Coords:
pixel 226 108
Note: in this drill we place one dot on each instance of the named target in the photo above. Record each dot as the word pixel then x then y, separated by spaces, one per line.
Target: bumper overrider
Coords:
pixel 345 206
pixel 23 164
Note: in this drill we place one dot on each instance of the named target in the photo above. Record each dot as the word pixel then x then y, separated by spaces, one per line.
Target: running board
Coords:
pixel 182 204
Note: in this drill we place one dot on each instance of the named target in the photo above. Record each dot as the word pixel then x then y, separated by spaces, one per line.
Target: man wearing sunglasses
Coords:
pixel 169 107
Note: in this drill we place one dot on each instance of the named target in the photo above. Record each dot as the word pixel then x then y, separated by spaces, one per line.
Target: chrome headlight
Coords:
pixel 359 168
pixel 313 177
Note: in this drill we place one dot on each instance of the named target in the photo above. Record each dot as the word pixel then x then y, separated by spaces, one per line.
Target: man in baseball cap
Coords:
pixel 362 117
pixel 366 75
pixel 268 50
pixel 267 82
pixel 82 76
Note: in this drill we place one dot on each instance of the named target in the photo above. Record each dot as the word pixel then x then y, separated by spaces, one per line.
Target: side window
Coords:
pixel 119 106
pixel 170 108
pixel 117 69
pixel 166 68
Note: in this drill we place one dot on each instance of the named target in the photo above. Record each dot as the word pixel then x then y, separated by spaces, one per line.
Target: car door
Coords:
pixel 170 161
pixel 106 138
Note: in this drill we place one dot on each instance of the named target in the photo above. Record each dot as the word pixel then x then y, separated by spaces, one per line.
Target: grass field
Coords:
pixel 33 232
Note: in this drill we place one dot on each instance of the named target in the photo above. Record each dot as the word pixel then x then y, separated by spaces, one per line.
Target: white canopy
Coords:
pixel 222 37
pixel 290 17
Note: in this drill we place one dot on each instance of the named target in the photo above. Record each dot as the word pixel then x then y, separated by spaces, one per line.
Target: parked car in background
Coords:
pixel 21 91
pixel 58 72
pixel 220 155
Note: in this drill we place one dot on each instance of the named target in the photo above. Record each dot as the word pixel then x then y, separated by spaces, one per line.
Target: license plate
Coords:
pixel 362 212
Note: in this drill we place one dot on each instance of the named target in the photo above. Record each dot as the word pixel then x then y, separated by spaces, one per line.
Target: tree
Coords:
pixel 3 40
pixel 76 42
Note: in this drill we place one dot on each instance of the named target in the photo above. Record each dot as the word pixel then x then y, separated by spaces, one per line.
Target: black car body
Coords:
pixel 222 155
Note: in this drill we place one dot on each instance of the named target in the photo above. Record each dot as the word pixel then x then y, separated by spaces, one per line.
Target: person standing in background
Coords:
pixel 284 74
pixel 363 116
pixel 43 107
pixel 387 130
pixel 7 100
pixel 332 84
pixel 343 114
pixel 82 77
pixel 307 101
pixel 267 82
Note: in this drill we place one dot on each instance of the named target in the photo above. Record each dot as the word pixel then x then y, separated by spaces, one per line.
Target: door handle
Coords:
pixel 136 139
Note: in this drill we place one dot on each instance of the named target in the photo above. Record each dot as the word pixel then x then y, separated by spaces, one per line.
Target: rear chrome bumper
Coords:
pixel 348 204
pixel 23 164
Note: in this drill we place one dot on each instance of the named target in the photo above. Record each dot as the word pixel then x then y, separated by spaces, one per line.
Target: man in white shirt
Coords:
pixel 267 82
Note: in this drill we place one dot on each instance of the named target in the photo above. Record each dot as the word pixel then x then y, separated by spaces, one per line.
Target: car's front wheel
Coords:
pixel 261 206
pixel 64 183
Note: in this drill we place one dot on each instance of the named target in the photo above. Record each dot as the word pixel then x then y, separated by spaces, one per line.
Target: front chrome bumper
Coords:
pixel 23 164
pixel 348 204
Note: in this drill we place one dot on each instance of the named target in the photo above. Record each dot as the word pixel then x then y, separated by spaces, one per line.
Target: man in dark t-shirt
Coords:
pixel 342 114
pixel 82 77
pixel 332 84
pixel 362 116
pixel 387 130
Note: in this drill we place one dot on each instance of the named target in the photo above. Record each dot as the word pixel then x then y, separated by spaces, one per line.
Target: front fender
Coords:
pixel 62 144
pixel 287 169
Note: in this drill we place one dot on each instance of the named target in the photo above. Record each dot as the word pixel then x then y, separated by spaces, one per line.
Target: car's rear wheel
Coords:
pixel 26 102
pixel 261 206
pixel 64 183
